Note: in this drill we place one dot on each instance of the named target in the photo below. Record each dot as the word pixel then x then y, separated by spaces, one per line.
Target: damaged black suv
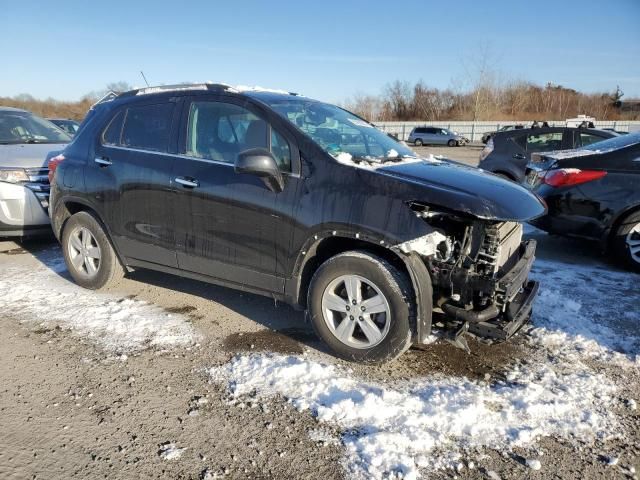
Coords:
pixel 302 201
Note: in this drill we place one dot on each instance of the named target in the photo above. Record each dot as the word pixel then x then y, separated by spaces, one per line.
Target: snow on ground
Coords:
pixel 42 296
pixel 587 311
pixel 430 422
pixel 581 315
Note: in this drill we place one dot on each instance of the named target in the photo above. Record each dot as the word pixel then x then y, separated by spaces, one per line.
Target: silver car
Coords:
pixel 436 136
pixel 26 144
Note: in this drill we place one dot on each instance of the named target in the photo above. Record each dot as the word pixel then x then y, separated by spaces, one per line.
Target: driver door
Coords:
pixel 228 222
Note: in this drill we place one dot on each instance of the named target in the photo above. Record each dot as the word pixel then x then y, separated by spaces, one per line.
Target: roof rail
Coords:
pixel 176 88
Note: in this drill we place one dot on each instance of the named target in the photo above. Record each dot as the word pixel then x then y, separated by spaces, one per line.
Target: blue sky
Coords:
pixel 325 49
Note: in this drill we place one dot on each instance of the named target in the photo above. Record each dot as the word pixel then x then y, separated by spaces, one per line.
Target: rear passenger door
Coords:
pixel 228 222
pixel 131 180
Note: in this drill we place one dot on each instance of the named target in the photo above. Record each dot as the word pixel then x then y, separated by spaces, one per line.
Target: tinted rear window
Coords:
pixel 148 127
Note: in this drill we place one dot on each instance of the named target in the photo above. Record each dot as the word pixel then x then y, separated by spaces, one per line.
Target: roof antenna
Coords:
pixel 145 78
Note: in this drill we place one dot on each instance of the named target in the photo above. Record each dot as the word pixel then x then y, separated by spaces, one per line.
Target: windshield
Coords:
pixel 22 127
pixel 338 131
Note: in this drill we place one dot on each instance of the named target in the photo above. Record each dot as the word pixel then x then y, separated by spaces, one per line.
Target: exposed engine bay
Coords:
pixel 479 271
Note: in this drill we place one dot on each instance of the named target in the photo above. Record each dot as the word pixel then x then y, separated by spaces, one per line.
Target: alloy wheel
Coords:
pixel 356 311
pixel 84 252
pixel 633 242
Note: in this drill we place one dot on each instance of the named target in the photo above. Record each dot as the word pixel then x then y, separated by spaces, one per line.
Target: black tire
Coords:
pixel 452 143
pixel 396 289
pixel 418 142
pixel 108 269
pixel 620 246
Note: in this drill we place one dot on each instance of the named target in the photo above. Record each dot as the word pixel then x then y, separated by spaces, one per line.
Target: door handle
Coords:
pixel 103 161
pixel 518 156
pixel 188 182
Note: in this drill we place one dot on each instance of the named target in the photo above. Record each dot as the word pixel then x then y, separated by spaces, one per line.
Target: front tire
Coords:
pixel 362 307
pixel 452 143
pixel 88 253
pixel 418 142
pixel 626 242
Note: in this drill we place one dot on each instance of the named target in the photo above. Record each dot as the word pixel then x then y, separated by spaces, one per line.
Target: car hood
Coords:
pixel 468 190
pixel 31 155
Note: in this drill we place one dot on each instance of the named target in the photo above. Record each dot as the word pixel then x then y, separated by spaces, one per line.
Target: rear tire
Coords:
pixel 626 242
pixel 368 336
pixel 418 142
pixel 88 253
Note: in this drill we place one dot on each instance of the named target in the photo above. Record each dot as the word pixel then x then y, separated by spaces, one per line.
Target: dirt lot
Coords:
pixel 118 384
pixel 469 154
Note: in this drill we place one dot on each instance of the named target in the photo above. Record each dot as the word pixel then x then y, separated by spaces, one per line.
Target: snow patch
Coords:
pixel 42 296
pixel 248 88
pixel 571 318
pixel 533 464
pixel 169 451
pixel 373 163
pixel 426 422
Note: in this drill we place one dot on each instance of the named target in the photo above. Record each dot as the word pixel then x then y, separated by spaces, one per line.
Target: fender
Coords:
pixel 418 273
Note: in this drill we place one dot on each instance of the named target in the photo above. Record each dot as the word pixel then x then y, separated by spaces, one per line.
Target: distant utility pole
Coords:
pixel 144 78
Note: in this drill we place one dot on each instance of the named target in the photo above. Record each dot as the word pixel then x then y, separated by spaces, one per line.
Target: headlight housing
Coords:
pixel 17 175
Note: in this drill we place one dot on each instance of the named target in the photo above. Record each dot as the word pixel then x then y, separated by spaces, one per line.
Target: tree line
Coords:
pixel 51 108
pixel 405 101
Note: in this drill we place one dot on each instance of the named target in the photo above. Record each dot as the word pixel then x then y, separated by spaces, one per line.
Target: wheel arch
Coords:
pixel 68 207
pixel 412 265
pixel 617 221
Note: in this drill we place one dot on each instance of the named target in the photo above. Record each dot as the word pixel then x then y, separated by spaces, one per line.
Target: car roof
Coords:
pixel 522 131
pixel 261 94
pixel 12 109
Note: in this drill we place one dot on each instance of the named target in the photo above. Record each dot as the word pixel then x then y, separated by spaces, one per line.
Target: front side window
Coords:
pixel 148 127
pixel 220 131
pixel 18 127
pixel 544 142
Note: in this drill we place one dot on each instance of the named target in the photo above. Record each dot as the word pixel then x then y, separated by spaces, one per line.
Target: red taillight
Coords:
pixel 53 164
pixel 568 177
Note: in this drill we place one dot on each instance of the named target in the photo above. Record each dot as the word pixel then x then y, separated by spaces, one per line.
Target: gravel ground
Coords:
pixel 469 154
pixel 71 409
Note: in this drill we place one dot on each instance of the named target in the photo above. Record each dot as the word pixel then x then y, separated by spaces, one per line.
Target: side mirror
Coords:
pixel 260 162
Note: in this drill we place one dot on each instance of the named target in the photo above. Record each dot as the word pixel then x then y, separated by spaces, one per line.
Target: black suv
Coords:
pixel 299 200
pixel 507 153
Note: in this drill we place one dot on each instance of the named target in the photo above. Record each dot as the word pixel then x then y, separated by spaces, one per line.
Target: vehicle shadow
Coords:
pixel 288 332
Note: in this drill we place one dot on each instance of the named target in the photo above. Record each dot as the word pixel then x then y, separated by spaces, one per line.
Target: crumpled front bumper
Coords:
pixel 516 293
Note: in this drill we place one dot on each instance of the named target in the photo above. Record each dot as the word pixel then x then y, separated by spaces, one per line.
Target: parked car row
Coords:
pixel 507 153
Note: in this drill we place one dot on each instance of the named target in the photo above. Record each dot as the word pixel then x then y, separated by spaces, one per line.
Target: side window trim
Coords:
pixel 113 118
